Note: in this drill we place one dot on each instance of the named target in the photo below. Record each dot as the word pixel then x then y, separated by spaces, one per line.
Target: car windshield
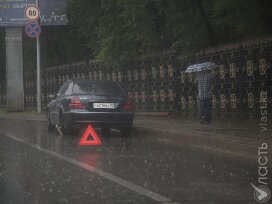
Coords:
pixel 99 88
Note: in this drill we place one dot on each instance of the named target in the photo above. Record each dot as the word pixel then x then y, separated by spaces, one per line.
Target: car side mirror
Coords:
pixel 51 96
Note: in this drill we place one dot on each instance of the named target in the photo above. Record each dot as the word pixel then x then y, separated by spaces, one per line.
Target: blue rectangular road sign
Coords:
pixel 53 12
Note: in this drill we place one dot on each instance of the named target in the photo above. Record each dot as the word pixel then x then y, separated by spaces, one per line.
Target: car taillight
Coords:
pixel 76 103
pixel 129 105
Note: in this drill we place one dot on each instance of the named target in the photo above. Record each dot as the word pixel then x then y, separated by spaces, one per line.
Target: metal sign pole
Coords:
pixel 39 105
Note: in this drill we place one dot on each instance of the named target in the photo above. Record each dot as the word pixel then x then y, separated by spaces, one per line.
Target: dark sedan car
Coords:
pixel 103 104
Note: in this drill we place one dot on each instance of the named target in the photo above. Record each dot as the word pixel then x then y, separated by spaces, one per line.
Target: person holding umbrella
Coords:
pixel 204 85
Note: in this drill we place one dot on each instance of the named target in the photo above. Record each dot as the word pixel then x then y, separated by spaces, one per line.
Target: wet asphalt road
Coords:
pixel 37 166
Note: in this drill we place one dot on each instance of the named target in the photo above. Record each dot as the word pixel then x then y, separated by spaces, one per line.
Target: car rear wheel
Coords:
pixel 106 132
pixel 63 124
pixel 126 131
pixel 66 127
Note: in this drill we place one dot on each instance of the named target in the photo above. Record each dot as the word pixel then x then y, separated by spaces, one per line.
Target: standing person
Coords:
pixel 204 84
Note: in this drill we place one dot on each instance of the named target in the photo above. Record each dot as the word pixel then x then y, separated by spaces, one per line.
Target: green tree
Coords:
pixel 59 45
pixel 122 30
pixel 237 19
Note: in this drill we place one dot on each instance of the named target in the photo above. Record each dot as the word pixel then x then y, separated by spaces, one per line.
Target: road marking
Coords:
pixel 143 191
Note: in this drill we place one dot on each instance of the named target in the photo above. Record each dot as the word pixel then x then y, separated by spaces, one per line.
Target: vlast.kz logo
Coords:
pixel 262 194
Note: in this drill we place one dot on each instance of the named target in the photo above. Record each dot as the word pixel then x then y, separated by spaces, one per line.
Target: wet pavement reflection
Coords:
pixel 182 173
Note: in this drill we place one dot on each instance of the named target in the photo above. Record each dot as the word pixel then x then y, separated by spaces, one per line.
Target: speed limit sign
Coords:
pixel 32 13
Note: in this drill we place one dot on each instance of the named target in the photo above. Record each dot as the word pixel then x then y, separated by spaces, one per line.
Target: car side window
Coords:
pixel 63 89
pixel 69 89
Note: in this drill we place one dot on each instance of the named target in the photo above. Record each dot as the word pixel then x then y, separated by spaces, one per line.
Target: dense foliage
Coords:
pixel 59 45
pixel 120 30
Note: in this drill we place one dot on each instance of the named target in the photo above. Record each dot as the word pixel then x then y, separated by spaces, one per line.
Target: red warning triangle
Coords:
pixel 90 131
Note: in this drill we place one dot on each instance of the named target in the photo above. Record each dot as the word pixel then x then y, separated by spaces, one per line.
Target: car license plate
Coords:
pixel 103 105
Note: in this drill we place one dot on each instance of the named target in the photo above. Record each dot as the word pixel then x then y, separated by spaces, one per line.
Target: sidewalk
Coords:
pixel 231 136
pixel 239 137
pixel 31 115
pixel 230 130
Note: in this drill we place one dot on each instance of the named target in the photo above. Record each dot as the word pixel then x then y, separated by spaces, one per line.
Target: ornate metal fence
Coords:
pixel 158 82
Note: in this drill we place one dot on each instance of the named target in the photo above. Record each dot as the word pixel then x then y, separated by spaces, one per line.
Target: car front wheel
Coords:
pixel 50 126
